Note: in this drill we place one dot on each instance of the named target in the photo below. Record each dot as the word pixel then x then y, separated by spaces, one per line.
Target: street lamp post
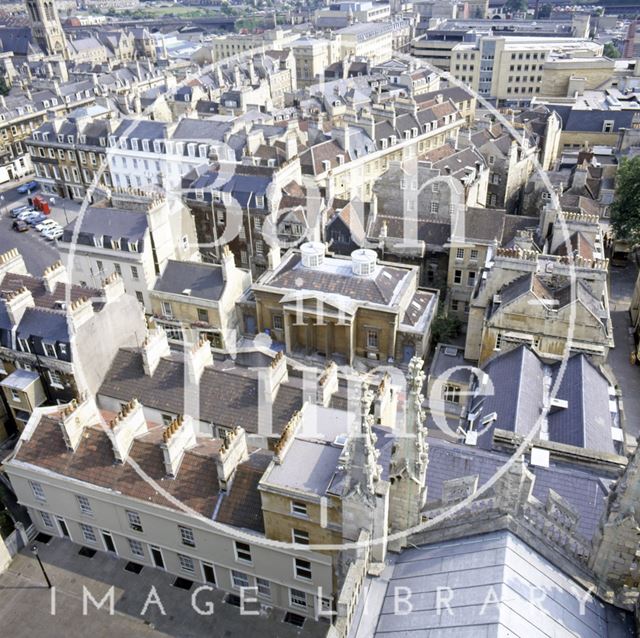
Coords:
pixel 34 551
pixel 64 208
pixel 2 204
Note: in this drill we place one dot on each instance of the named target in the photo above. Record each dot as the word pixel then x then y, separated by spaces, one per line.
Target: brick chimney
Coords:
pixel 74 418
pixel 154 347
pixel 17 302
pixel 178 437
pixel 79 312
pixel 125 427
pixel 233 452
pixel 12 261
pixel 198 357
pixel 53 275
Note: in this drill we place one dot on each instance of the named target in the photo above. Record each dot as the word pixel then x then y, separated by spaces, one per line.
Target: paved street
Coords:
pixel 25 602
pixel 38 253
pixel 622 283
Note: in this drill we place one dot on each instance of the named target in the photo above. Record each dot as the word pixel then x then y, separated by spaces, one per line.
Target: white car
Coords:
pixel 52 233
pixel 47 223
pixel 25 214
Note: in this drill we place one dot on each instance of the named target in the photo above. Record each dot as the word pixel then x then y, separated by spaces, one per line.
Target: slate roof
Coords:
pixel 196 484
pixel 492 567
pixel 379 288
pixel 205 281
pixel 579 244
pixel 523 384
pixel 227 398
pixel 49 326
pixel 108 222
pixel 479 224
pixel 585 490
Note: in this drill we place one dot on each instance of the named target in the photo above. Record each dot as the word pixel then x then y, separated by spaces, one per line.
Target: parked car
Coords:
pixel 36 219
pixel 20 226
pixel 14 212
pixel 27 214
pixel 52 233
pixel 47 223
pixel 28 187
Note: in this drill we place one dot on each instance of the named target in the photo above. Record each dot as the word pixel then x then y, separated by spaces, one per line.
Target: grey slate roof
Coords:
pixel 492 566
pixel 205 281
pixel 108 222
pixel 519 378
pixel 227 398
pixel 585 490
pixel 49 326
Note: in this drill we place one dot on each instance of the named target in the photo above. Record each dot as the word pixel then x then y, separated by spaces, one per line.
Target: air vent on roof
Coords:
pixel 340 440
pixel 559 403
pixel 186 291
pixel 471 438
pixel 451 352
pixel 539 457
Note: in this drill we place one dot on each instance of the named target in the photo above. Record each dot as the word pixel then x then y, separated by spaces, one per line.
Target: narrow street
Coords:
pixel 622 283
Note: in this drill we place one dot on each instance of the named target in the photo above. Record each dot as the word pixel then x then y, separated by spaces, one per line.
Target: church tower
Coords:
pixel 408 468
pixel 46 27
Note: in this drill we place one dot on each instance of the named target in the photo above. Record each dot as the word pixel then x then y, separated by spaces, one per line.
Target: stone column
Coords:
pixel 287 333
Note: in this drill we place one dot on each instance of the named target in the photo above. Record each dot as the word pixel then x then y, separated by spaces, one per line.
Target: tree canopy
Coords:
pixel 611 51
pixel 514 6
pixel 625 210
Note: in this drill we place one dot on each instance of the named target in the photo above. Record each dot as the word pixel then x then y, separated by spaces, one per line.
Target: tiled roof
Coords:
pixel 195 485
pixel 241 506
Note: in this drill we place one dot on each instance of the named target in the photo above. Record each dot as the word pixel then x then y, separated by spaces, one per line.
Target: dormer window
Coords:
pixel 202 150
pixel 133 246
pixel 69 139
pixel 98 241
pixel 191 150
pixel 145 145
pixel 134 144
pixel 49 349
pixel 260 201
pixel 23 344
pixel 199 194
pixel 61 139
pixel 103 141
pixel 384 143
pixel 115 244
pixel 393 140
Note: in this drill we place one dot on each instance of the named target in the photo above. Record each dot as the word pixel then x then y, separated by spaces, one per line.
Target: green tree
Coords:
pixel 4 87
pixel 625 210
pixel 611 51
pixel 444 328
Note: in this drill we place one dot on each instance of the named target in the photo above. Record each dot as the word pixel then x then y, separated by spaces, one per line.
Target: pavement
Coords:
pixel 38 253
pixel 26 602
pixel 622 281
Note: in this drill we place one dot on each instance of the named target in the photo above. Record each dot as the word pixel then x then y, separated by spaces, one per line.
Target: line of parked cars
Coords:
pixel 26 217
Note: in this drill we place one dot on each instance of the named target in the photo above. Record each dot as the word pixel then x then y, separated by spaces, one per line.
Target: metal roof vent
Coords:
pixel 363 262
pixel 312 254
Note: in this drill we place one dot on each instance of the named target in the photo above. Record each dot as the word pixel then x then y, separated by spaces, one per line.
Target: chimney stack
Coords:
pixel 327 384
pixel 16 304
pixel 198 358
pixel 233 452
pixel 74 418
pixel 274 375
pixel 79 312
pixel 177 438
pixel 54 274
pixel 113 287
pixel 228 262
pixel 154 347
pixel 129 423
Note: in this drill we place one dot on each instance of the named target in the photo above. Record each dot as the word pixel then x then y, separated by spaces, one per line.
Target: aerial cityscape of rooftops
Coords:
pixel 320 319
